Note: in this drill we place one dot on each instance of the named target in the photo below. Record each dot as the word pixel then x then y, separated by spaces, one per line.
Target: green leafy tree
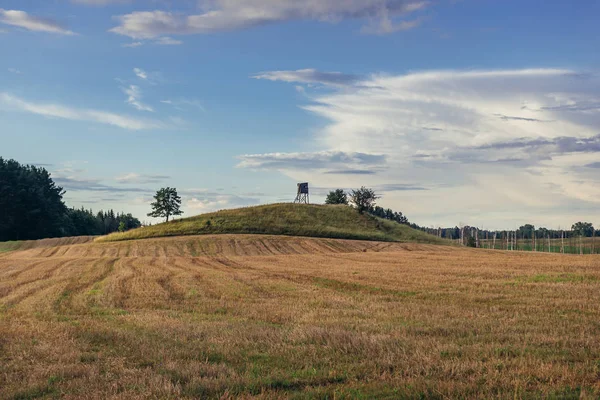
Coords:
pixel 585 229
pixel 337 196
pixel 363 199
pixel 122 227
pixel 526 231
pixel 166 203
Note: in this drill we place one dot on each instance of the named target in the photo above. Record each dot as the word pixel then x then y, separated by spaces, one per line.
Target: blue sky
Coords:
pixel 476 112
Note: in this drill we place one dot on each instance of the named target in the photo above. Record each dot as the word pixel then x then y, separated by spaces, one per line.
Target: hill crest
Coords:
pixel 323 221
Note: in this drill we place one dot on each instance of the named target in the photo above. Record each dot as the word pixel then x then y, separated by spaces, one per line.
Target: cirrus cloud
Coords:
pixel 52 110
pixel 23 20
pixel 229 15
pixel 310 76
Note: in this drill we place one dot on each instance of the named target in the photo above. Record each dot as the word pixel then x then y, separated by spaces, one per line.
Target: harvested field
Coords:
pixel 283 317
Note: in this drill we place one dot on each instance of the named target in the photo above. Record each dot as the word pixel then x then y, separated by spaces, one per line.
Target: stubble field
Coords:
pixel 281 317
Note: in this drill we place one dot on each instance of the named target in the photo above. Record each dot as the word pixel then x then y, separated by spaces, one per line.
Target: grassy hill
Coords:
pixel 328 221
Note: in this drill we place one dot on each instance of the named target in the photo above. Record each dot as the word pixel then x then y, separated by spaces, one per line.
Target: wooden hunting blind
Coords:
pixel 302 195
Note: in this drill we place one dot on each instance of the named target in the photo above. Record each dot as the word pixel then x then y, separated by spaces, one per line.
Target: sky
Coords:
pixel 477 112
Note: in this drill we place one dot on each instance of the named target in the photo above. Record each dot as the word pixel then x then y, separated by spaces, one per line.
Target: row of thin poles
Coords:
pixel 510 241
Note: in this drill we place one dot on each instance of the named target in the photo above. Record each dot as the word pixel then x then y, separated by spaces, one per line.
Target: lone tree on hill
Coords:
pixel 363 198
pixel 166 203
pixel 337 196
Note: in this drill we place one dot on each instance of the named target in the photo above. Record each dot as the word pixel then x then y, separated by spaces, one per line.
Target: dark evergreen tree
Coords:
pixel 31 205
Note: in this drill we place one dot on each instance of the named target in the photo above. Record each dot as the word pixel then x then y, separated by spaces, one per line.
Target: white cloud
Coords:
pixel 209 202
pixel 167 41
pixel 75 114
pixel 228 15
pixel 100 2
pixel 133 44
pixel 496 147
pixel 14 71
pixel 23 20
pixel 140 73
pixel 323 160
pixel 152 78
pixel 134 96
pixel 387 26
pixel 161 41
pixel 183 104
pixel 141 178
pixel 310 76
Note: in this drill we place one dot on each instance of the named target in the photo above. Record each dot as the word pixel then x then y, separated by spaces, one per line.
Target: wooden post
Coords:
pixel 495 233
pixel 562 240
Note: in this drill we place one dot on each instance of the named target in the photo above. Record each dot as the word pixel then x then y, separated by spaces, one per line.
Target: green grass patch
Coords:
pixel 5 247
pixel 35 392
pixel 341 222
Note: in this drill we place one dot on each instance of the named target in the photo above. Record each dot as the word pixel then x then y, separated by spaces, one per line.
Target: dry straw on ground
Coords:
pixel 280 317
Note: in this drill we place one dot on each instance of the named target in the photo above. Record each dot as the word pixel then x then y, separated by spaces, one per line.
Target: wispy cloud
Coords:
pixel 309 76
pixel 134 96
pixel 14 71
pixel 203 203
pixel 140 73
pixel 60 111
pixel 141 178
pixel 93 185
pixel 227 15
pixel 161 41
pixel 511 118
pixel 167 41
pixel 316 160
pixel 133 44
pixel 100 2
pixel 386 26
pixel 23 20
pixel 183 104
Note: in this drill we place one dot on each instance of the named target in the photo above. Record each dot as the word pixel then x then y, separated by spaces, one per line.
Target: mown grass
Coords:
pixel 339 222
pixel 426 322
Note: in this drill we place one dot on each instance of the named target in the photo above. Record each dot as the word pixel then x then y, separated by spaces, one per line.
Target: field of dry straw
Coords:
pixel 281 317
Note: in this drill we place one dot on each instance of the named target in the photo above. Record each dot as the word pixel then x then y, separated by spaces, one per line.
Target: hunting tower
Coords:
pixel 302 196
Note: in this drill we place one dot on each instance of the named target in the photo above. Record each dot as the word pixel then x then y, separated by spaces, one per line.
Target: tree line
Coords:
pixel 527 232
pixel 32 207
pixel 82 222
pixel 364 200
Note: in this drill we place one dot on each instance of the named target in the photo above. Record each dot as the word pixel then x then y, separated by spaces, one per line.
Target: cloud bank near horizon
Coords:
pixel 506 143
